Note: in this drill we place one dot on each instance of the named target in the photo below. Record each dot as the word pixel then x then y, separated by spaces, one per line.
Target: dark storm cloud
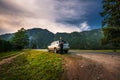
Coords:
pixel 83 10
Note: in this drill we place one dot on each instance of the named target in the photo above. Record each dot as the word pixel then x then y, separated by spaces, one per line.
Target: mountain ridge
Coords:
pixel 41 38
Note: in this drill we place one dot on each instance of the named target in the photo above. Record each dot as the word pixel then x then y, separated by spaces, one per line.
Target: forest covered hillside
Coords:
pixel 41 38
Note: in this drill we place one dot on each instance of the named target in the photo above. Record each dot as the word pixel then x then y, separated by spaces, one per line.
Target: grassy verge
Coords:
pixel 33 65
pixel 8 54
pixel 93 50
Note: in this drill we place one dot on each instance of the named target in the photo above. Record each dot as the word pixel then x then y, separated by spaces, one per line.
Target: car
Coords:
pixel 55 47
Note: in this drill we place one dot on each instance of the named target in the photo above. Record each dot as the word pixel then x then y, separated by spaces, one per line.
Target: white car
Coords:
pixel 55 46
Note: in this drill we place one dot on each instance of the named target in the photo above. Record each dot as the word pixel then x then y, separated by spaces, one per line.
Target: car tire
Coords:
pixel 48 50
pixel 66 51
pixel 55 50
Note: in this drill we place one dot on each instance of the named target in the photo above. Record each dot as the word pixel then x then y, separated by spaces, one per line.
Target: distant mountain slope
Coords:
pixel 83 40
pixel 41 38
pixel 6 36
pixel 38 38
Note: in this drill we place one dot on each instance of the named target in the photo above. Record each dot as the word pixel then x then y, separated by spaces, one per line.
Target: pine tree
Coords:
pixel 111 22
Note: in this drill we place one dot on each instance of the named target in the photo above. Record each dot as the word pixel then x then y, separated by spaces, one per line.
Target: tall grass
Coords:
pixel 33 65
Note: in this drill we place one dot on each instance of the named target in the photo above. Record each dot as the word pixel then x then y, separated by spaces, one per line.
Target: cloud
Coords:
pixel 78 11
pixel 73 9
pixel 9 24
pixel 54 15
pixel 14 25
pixel 32 8
pixel 84 26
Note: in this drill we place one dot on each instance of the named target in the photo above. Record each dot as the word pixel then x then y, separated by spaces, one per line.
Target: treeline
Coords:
pixel 5 46
pixel 17 42
pixel 40 38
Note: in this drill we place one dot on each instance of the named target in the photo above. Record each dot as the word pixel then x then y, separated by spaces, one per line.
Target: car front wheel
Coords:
pixel 55 50
pixel 48 50
pixel 66 51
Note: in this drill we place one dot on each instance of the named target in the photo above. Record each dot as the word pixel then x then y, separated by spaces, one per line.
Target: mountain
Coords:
pixel 6 36
pixel 41 38
pixel 83 40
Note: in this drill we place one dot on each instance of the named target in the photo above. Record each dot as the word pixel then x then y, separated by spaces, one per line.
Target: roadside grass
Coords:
pixel 73 50
pixel 33 65
pixel 8 54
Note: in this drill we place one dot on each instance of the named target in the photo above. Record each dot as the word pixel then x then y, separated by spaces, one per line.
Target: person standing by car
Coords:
pixel 61 45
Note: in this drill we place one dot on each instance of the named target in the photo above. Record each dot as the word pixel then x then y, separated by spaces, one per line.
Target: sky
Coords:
pixel 54 15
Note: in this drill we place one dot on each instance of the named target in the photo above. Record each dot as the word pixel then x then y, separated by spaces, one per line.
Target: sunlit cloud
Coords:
pixel 13 26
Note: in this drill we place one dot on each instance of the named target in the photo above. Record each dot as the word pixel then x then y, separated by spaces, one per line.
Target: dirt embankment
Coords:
pixel 91 67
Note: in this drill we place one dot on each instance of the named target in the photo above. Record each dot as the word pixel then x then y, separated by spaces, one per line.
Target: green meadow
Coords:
pixel 33 65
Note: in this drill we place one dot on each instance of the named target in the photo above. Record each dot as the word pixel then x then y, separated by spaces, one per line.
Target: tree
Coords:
pixel 5 46
pixel 20 39
pixel 111 22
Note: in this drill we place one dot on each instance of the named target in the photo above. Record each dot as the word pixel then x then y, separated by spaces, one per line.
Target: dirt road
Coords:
pixel 91 66
pixel 8 60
